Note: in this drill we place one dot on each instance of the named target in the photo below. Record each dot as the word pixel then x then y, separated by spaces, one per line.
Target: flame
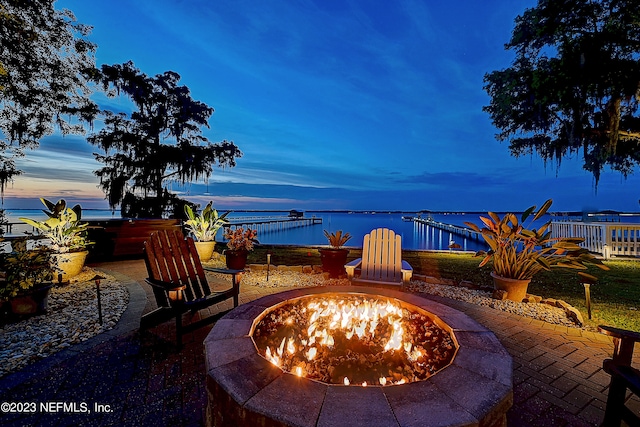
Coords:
pixel 414 355
pixel 395 341
pixel 291 347
pixel 311 327
pixel 357 319
pixel 272 357
pixel 311 354
pixel 359 330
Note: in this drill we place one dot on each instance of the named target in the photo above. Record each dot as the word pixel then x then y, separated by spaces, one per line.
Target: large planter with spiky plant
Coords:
pixel 519 253
pixel 335 256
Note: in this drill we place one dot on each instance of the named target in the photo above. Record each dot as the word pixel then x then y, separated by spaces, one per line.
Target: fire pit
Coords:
pixel 446 370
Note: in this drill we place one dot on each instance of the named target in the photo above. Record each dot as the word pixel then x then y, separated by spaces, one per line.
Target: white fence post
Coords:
pixel 603 238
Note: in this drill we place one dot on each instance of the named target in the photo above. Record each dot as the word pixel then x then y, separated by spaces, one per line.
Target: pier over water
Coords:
pixel 455 229
pixel 268 224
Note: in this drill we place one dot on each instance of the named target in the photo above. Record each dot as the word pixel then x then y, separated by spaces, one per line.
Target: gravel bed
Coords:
pixel 72 318
pixel 289 279
pixel 543 312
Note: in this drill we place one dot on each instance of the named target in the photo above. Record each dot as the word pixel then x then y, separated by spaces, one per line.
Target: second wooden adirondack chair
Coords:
pixel 624 378
pixel 179 282
pixel 381 261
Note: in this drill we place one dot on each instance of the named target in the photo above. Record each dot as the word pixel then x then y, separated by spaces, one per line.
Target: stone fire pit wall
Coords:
pixel 244 389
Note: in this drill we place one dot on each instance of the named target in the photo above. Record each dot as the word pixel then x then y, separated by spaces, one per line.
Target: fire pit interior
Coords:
pixel 353 339
pixel 459 372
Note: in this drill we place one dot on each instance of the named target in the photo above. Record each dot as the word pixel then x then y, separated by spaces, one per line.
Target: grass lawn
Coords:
pixel 615 299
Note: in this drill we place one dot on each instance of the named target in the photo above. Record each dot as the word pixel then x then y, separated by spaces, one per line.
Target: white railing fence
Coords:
pixel 604 238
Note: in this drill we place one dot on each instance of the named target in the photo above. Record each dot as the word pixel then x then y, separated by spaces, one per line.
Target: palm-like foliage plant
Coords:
pixel 520 253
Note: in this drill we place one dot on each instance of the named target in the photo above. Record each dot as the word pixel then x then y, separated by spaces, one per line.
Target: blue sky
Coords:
pixel 336 104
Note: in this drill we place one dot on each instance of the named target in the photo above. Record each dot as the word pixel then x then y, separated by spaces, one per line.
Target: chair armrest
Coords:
pixel 165 286
pixel 620 333
pixel 223 270
pixel 407 272
pixel 350 267
pixel 623 343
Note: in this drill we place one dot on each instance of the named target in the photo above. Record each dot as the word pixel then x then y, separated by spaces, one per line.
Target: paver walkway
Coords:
pixel 125 378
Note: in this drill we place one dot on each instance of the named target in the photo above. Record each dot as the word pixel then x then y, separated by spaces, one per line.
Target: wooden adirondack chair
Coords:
pixel 179 282
pixel 381 261
pixel 623 377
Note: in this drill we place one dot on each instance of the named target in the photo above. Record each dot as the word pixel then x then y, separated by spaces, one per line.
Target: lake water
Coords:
pixel 414 235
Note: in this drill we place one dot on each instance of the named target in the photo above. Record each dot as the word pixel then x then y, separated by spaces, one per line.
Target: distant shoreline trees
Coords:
pixel 574 84
pixel 159 143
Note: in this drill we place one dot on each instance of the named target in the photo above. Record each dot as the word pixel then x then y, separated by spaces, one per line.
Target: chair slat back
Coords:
pixel 172 258
pixel 382 256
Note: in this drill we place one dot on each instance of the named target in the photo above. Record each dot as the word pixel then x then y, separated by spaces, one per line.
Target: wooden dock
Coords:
pixel 268 224
pixel 455 229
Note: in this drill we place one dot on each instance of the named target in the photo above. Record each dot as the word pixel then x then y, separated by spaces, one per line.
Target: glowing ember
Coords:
pixel 353 339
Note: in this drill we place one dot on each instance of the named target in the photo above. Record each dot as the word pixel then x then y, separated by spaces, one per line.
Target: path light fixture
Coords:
pixel 587 281
pixel 97 279
pixel 268 263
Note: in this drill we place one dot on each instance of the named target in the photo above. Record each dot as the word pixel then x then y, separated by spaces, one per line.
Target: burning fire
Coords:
pixel 353 339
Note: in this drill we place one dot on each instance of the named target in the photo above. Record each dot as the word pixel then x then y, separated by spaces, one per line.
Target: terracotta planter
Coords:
pixel 333 261
pixel 205 249
pixel 34 302
pixel 67 265
pixel 236 260
pixel 516 289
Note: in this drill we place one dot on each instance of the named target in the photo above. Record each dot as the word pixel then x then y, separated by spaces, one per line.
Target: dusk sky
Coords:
pixel 336 104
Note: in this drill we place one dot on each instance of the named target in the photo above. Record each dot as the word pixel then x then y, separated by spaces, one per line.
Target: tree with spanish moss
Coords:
pixel 160 142
pixel 46 60
pixel 574 85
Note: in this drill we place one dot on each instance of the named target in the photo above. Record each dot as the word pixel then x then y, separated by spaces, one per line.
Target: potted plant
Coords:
pixel 66 236
pixel 240 242
pixel 26 281
pixel 519 253
pixel 335 257
pixel 204 227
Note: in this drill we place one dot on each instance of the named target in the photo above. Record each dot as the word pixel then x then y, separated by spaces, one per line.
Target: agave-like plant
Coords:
pixel 205 226
pixel 63 227
pixel 337 239
pixel 520 253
